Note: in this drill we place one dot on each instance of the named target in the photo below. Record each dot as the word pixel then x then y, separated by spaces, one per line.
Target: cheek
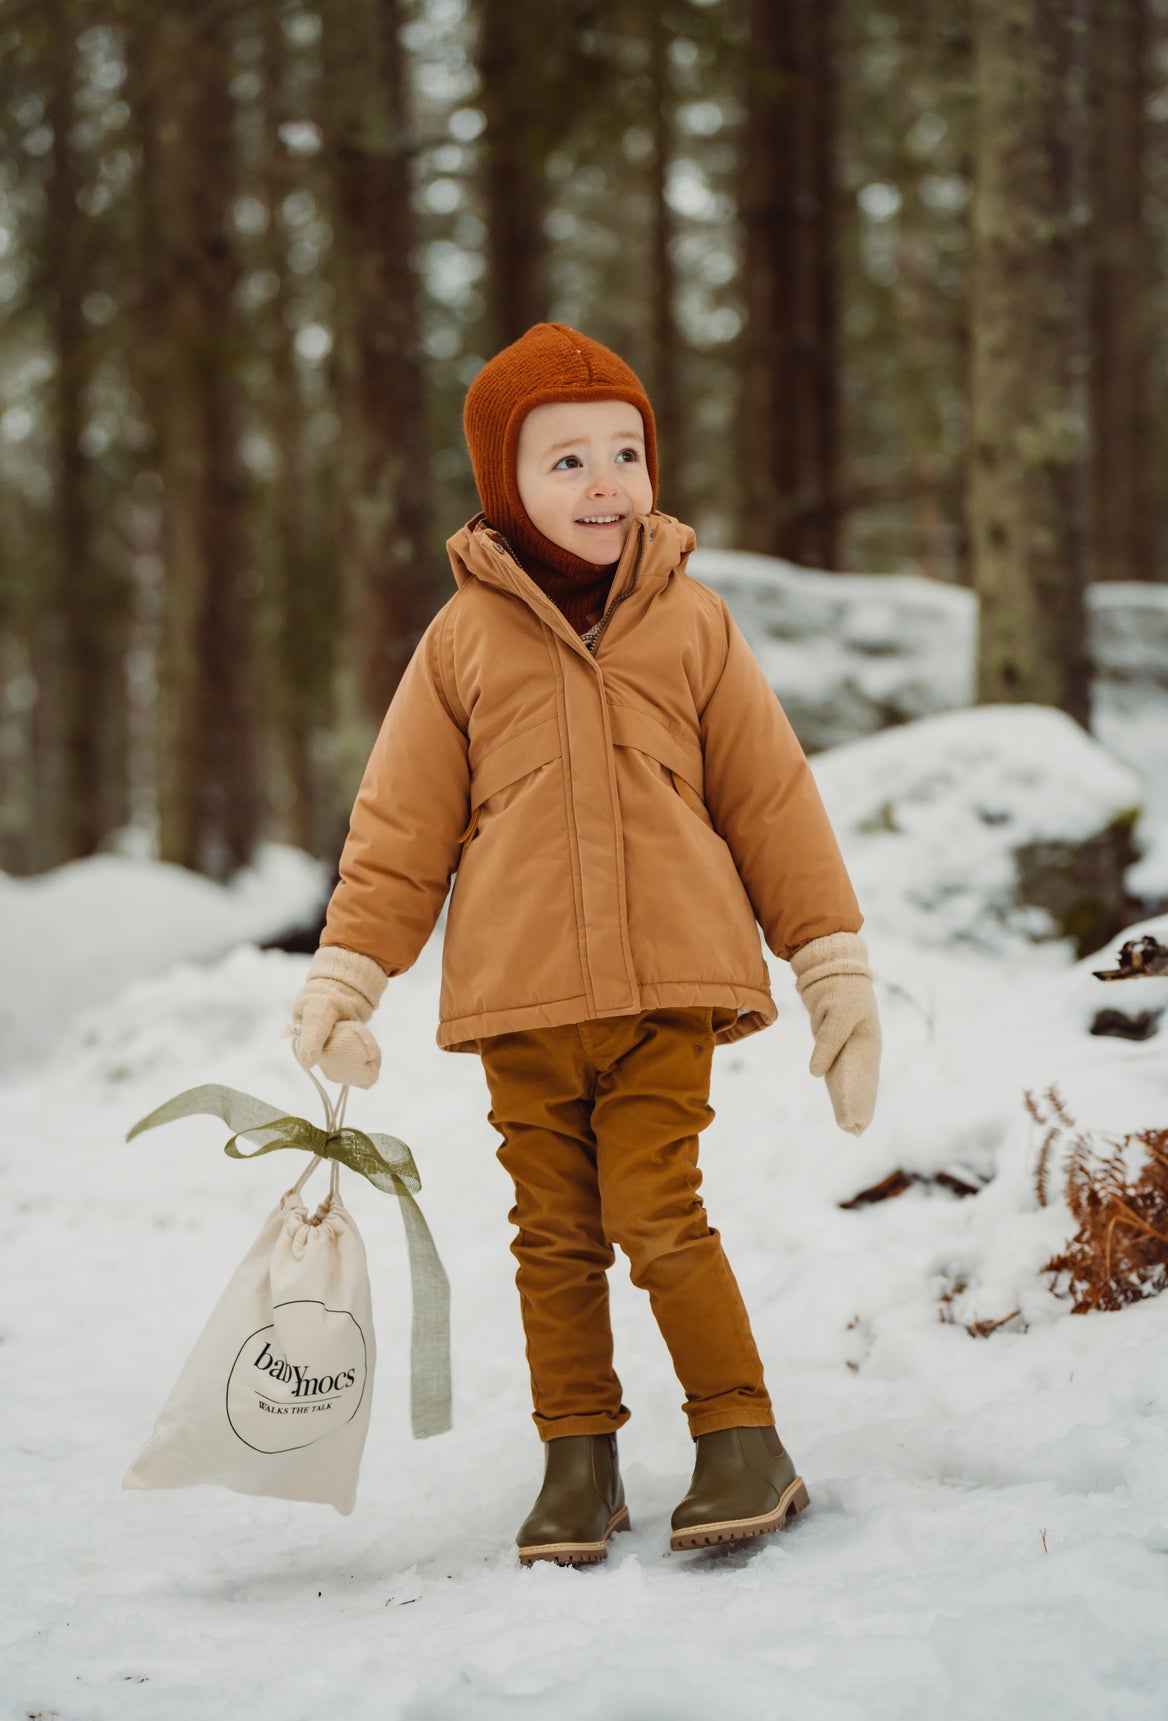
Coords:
pixel 641 490
pixel 536 497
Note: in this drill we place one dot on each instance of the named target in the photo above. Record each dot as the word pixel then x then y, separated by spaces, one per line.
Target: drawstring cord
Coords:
pixel 334 1117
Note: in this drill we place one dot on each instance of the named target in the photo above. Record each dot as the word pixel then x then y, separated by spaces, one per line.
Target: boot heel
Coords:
pixel 620 1521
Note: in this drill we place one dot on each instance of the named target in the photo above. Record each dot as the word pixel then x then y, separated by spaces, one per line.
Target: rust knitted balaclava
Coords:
pixel 551 362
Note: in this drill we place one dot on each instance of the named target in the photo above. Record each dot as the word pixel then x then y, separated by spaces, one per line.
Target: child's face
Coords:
pixel 582 477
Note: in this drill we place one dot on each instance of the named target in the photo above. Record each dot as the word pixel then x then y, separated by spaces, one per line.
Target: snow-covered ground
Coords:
pixel 989 1523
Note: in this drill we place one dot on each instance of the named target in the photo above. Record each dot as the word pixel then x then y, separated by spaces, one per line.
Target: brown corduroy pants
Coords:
pixel 600 1125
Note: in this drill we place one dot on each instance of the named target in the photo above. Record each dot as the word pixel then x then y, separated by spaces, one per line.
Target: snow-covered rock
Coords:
pixel 80 933
pixel 848 654
pixel 987 827
pixel 1130 713
pixel 851 654
pixel 1128 623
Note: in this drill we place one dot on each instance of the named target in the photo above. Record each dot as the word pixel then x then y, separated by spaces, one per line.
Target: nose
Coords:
pixel 602 485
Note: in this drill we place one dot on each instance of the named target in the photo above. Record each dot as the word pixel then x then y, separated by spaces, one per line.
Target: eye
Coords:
pixel 633 453
pixel 564 459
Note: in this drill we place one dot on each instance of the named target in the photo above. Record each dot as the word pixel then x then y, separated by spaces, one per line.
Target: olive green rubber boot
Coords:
pixel 744 1484
pixel 581 1503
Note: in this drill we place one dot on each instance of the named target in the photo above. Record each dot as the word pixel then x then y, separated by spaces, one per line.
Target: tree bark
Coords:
pixel 387 517
pixel 208 775
pixel 1121 280
pixel 513 97
pixel 19 826
pixel 85 618
pixel 790 349
pixel 665 378
pixel 300 568
pixel 1028 467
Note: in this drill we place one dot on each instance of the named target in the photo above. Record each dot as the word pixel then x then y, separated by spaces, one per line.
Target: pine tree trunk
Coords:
pixel 512 98
pixel 1121 275
pixel 665 379
pixel 1028 467
pixel 207 776
pixel 817 293
pixel 301 572
pixel 398 573
pixel 227 705
pixel 790 350
pixel 18 787
pixel 83 624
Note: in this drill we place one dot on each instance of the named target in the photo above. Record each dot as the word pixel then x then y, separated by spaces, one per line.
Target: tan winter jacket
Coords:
pixel 614 820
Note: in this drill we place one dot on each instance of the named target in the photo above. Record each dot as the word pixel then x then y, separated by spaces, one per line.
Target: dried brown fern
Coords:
pixel 1054 1116
pixel 1117 1190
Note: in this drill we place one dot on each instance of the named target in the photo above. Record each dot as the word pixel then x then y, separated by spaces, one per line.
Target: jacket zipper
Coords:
pixel 591 645
pixel 607 616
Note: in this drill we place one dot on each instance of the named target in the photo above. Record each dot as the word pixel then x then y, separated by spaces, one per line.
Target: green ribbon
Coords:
pixel 388 1164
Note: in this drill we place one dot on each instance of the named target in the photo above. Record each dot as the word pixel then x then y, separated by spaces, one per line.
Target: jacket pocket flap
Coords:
pixel 632 728
pixel 513 759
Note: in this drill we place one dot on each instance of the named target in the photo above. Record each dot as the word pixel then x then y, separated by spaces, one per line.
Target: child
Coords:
pixel 585 742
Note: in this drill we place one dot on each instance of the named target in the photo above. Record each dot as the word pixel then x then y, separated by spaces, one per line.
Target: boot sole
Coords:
pixel 576 1553
pixel 794 1500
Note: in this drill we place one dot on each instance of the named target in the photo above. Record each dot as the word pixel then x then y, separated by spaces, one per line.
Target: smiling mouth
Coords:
pixel 601 520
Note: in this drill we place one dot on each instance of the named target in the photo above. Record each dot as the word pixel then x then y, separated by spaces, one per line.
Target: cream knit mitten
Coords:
pixel 835 983
pixel 329 1014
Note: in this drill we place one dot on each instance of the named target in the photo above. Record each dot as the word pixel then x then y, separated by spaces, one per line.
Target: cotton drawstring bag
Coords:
pixel 275 1396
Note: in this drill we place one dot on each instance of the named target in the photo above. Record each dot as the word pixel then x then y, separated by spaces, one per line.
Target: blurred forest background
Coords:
pixel 894 274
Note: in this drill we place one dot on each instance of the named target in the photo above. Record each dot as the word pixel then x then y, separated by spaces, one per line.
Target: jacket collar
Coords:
pixel 657 544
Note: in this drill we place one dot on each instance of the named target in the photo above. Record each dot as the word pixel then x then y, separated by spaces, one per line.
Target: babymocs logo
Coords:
pixel 297 1380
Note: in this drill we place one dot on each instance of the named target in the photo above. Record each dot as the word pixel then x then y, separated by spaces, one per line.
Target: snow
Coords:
pixel 850 652
pixel 969 790
pixel 989 1527
pixel 85 930
pixel 853 653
